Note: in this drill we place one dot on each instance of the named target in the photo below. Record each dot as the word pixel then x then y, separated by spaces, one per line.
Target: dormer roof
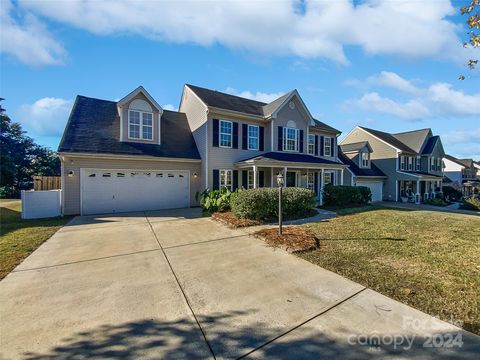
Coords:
pixel 134 93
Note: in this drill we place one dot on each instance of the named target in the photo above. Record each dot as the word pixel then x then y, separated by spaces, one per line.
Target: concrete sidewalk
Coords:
pixel 172 284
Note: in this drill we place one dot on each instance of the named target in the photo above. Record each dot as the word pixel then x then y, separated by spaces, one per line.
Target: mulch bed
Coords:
pixel 229 219
pixel 294 239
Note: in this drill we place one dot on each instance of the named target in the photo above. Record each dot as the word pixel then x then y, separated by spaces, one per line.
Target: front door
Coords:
pixel 291 179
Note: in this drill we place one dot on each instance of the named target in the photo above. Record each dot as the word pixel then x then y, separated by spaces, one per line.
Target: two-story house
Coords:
pixel 463 174
pixel 411 161
pixel 133 155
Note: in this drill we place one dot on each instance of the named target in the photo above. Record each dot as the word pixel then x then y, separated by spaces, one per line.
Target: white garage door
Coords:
pixel 111 191
pixel 375 187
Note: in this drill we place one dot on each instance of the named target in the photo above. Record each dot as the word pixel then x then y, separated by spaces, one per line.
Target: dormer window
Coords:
pixel 140 125
pixel 365 160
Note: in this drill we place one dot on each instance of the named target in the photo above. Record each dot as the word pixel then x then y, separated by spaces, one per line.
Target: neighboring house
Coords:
pixel 411 161
pixel 132 155
pixel 362 171
pixel 246 143
pixel 463 174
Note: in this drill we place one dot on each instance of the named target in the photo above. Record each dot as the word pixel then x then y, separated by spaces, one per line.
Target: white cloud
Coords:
pixel 463 143
pixel 436 100
pixel 462 136
pixel 259 96
pixel 394 81
pixel 45 117
pixel 273 27
pixel 410 110
pixel 28 40
pixel 169 107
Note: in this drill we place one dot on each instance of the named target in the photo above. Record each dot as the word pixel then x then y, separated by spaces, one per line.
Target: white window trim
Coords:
pixel 418 164
pixel 313 144
pixel 250 185
pixel 257 137
pixel 220 134
pixel 410 163
pixel 325 146
pixel 327 173
pixel 220 178
pixel 311 183
pixel 402 162
pixel 285 131
pixel 362 164
pixel 140 125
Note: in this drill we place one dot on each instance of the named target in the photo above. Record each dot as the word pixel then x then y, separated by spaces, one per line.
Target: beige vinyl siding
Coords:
pixel 384 156
pixel 71 186
pixel 156 122
pixel 196 112
pixel 297 115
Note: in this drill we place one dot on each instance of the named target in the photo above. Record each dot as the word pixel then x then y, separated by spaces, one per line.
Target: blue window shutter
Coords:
pixel 216 179
pixel 301 141
pixel 215 133
pixel 244 136
pixel 321 145
pixel 261 137
pixel 315 183
pixel 280 138
pixel 261 178
pixel 316 145
pixel 245 178
pixel 235 180
pixel 235 136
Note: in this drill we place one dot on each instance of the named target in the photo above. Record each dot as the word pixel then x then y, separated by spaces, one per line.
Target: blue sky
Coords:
pixel 389 65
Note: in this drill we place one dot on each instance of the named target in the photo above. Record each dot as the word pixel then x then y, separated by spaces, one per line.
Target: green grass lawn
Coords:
pixel 19 238
pixel 428 260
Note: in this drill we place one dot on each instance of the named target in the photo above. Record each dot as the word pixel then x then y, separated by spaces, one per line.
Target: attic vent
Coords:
pixel 291 105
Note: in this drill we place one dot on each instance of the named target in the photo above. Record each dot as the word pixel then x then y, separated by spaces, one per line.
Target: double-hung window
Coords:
pixel 402 162
pixel 290 139
pixel 140 125
pixel 311 181
pixel 365 163
pixel 327 178
pixel 432 164
pixel 410 163
pixel 250 180
pixel 226 129
pixel 327 147
pixel 418 164
pixel 311 144
pixel 253 137
pixel 226 179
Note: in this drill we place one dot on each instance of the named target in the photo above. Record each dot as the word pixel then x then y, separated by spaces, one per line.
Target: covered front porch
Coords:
pixel 418 190
pixel 298 170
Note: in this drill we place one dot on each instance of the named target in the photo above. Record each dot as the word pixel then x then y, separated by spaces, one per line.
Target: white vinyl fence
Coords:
pixel 41 204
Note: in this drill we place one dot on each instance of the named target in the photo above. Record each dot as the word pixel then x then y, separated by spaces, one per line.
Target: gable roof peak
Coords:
pixel 135 92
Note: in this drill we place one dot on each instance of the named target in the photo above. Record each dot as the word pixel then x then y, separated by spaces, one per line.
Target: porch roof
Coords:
pixel 422 175
pixel 279 159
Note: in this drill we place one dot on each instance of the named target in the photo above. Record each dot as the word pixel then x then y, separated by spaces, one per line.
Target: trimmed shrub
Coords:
pixel 343 195
pixel 451 194
pixel 214 200
pixel 262 203
pixel 435 202
pixel 470 203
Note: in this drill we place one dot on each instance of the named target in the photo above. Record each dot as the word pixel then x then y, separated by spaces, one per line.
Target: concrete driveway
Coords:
pixel 175 285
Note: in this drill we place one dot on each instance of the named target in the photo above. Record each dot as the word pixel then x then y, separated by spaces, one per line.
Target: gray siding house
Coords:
pixel 246 143
pixel 132 155
pixel 411 161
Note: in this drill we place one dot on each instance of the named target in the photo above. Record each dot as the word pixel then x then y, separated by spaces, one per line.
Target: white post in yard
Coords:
pixel 341 177
pixel 254 176
pixel 285 176
pixel 321 186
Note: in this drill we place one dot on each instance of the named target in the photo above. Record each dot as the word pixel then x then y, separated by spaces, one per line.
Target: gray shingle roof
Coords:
pixel 355 146
pixel 390 139
pixel 236 103
pixel 93 127
pixel 414 139
pixel 374 171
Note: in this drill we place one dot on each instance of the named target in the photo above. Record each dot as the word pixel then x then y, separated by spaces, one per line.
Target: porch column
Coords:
pixel 341 177
pixel 321 186
pixel 417 195
pixel 254 176
pixel 271 178
pixel 285 176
